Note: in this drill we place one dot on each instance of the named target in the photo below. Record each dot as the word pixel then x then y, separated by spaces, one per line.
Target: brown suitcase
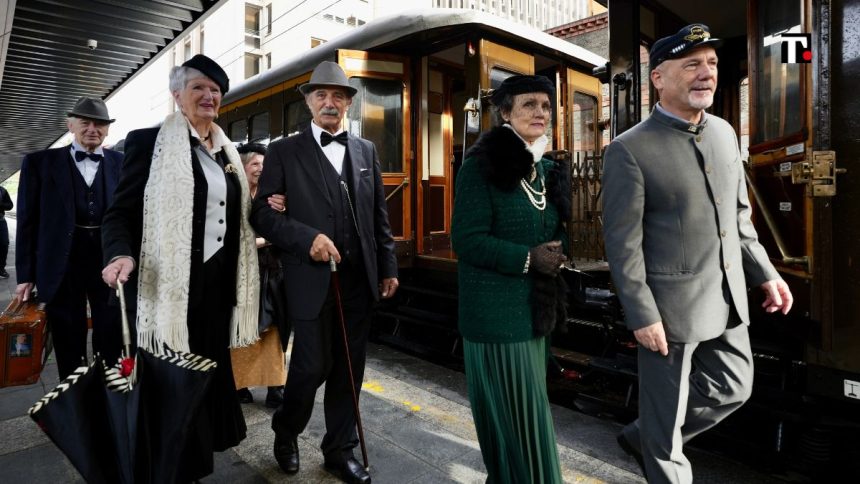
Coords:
pixel 23 342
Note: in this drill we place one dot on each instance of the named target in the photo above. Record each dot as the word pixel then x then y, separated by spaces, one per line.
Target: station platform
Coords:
pixel 417 423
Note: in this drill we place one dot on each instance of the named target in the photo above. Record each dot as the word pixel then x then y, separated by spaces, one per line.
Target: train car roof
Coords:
pixel 389 29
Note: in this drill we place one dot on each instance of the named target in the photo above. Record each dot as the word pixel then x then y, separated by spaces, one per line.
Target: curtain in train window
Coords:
pixel 259 128
pixel 779 109
pixel 376 114
pixel 238 131
pixel 297 117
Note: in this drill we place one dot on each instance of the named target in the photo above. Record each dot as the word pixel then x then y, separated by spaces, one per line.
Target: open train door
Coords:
pixel 797 150
pixel 380 113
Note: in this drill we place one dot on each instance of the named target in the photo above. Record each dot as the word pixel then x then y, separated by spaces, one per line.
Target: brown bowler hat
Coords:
pixel 327 74
pixel 91 108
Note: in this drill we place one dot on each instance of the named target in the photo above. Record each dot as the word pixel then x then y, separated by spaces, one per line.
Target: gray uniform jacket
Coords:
pixel 679 240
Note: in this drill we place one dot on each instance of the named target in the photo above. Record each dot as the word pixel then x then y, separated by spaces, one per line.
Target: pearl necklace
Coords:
pixel 537 198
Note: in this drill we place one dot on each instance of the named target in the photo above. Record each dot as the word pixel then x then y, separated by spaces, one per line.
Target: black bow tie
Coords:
pixel 326 138
pixel 82 155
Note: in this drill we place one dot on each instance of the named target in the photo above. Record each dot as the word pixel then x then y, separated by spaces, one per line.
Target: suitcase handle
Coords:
pixel 14 308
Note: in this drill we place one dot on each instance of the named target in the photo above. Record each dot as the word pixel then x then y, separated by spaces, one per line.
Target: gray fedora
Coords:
pixel 327 74
pixel 91 108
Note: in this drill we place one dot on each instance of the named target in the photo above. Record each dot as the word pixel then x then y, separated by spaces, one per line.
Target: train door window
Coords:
pixel 377 114
pixel 776 87
pixel 297 117
pixel 238 131
pixel 498 62
pixel 259 127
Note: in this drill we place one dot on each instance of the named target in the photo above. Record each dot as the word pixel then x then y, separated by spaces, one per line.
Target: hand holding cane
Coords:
pixel 336 286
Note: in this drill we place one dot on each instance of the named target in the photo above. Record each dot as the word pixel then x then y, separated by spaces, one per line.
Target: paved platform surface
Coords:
pixel 417 423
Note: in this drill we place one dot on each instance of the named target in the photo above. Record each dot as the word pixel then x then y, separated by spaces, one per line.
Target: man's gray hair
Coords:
pixel 180 75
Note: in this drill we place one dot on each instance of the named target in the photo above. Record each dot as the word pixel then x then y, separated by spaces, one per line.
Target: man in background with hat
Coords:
pixel 682 249
pixel 62 195
pixel 335 209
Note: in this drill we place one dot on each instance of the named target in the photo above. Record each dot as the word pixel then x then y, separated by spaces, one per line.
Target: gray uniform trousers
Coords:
pixel 685 393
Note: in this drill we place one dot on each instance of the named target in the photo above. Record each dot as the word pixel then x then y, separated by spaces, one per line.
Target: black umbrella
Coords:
pixel 116 426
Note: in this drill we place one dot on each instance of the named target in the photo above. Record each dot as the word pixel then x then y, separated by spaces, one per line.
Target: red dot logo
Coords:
pixel 807 55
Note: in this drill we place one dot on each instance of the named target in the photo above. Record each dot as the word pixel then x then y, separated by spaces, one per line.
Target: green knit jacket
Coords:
pixel 494 225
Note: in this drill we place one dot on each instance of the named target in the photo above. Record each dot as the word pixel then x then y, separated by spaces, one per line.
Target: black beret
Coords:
pixel 211 69
pixel 690 37
pixel 252 148
pixel 520 85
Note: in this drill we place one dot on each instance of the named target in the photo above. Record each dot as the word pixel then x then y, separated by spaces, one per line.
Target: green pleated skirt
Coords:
pixel 507 390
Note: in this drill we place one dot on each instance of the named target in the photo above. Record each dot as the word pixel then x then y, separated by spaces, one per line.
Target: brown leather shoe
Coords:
pixel 348 470
pixel 287 453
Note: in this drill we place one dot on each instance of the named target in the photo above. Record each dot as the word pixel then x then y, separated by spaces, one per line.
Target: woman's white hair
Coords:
pixel 180 75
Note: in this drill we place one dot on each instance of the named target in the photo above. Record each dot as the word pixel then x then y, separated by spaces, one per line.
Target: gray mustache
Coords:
pixel 330 112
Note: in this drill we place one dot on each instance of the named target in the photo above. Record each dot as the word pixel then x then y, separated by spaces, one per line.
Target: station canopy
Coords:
pixel 47 61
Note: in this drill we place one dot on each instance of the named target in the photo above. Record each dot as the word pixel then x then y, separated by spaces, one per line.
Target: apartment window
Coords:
pixel 268 61
pixel 252 26
pixel 202 40
pixel 338 20
pixel 269 19
pixel 252 64
pixel 315 42
pixel 187 52
pixel 328 16
pixel 350 21
pixel 361 22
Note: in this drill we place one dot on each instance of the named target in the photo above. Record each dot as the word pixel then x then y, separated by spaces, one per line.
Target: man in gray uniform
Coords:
pixel 682 248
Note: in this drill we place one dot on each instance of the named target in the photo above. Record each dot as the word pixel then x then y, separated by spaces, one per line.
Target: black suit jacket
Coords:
pixel 46 215
pixel 291 168
pixel 122 227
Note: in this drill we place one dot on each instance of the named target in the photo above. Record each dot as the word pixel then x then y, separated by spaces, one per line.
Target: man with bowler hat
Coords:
pixel 335 209
pixel 62 195
pixel 682 250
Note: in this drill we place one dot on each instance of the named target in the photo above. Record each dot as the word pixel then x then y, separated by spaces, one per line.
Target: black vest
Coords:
pixel 90 203
pixel 345 232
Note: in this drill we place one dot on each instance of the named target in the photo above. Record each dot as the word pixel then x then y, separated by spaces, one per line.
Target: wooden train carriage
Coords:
pixel 414 73
pixel 798 125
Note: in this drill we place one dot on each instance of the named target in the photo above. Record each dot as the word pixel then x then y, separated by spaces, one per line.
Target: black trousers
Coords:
pixel 67 311
pixel 318 356
pixel 4 241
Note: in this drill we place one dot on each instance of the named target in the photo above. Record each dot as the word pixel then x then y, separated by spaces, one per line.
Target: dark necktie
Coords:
pixel 326 138
pixel 82 155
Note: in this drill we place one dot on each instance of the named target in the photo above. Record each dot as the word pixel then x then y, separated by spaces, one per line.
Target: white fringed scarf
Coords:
pixel 165 254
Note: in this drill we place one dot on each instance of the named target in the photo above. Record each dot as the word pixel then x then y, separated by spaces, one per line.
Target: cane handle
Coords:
pixel 332 264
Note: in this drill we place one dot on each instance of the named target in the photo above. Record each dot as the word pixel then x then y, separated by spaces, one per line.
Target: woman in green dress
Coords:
pixel 508 234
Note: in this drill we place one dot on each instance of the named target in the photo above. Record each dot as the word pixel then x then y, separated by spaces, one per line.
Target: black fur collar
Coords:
pixel 502 157
pixel 503 160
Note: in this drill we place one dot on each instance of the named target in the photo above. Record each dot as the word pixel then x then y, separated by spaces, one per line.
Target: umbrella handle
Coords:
pixel 126 332
pixel 332 264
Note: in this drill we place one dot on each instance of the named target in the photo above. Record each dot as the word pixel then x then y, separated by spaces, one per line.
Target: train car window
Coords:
pixel 259 127
pixel 777 86
pixel 498 75
pixel 238 131
pixel 585 117
pixel 297 117
pixel 377 114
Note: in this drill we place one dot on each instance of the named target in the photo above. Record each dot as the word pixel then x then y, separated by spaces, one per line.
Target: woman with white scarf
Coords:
pixel 178 235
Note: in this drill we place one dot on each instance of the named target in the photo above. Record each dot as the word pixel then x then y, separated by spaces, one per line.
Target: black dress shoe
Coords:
pixel 274 397
pixel 245 395
pixel 4 274
pixel 627 447
pixel 348 470
pixel 287 454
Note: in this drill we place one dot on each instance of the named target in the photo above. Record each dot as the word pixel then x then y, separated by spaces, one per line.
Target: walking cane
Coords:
pixel 336 285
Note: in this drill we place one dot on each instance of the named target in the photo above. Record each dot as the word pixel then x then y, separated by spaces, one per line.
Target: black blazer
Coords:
pixel 291 168
pixel 122 227
pixel 46 215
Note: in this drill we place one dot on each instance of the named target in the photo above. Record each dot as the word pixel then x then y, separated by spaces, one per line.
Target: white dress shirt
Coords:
pixel 87 167
pixel 335 151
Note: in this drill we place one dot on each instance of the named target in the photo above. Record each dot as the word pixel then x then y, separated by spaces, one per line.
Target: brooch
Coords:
pixel 229 168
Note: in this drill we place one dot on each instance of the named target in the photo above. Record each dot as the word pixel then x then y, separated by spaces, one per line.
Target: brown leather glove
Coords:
pixel 547 258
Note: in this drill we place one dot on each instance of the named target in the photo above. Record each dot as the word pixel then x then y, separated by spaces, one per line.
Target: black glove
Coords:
pixel 547 258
